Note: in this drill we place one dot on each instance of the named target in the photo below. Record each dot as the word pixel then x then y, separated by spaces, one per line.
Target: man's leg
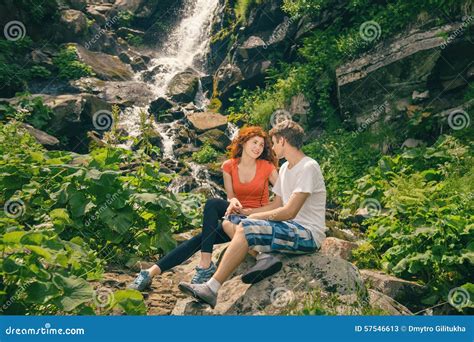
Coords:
pixel 233 256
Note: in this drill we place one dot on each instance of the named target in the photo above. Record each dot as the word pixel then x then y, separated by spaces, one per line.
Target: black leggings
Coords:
pixel 212 234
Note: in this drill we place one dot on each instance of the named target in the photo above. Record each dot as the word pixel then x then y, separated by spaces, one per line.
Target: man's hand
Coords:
pixel 233 207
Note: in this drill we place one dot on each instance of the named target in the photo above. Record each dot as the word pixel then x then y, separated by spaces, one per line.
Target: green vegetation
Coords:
pixel 69 66
pixel 206 154
pixel 67 216
pixel 425 230
pixel 242 8
pixel 28 109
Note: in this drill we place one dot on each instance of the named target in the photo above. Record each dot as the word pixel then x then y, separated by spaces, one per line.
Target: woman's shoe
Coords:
pixel 203 274
pixel 142 281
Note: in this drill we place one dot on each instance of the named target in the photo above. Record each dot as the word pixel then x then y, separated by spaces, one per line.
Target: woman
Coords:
pixel 246 176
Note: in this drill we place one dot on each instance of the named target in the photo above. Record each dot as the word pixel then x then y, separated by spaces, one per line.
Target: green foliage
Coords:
pixel 38 12
pixel 70 68
pixel 125 18
pixel 29 109
pixel 134 39
pixel 205 155
pixel 344 158
pixel 425 229
pixel 15 69
pixel 242 8
pixel 116 213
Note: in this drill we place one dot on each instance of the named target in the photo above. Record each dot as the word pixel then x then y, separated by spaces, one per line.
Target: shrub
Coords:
pixel 70 68
pixel 206 154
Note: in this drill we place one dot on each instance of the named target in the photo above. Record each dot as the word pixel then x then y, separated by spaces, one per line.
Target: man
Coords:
pixel 294 222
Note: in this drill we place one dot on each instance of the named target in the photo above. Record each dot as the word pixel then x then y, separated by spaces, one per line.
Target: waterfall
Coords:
pixel 187 45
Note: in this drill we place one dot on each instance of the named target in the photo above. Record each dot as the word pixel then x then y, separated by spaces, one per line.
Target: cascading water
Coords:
pixel 186 46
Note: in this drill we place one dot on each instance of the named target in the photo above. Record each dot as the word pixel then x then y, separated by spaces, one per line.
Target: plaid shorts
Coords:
pixel 277 236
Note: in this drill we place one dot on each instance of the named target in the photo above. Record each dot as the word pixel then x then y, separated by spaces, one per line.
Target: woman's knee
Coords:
pixel 212 204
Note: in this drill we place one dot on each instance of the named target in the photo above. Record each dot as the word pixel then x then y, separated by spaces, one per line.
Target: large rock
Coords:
pixel 160 105
pixel 387 304
pixel 43 138
pixel 299 275
pixel 184 86
pixel 338 248
pixel 105 66
pixel 385 78
pixel 73 25
pixel 403 291
pixel 216 138
pixel 126 93
pixel 205 121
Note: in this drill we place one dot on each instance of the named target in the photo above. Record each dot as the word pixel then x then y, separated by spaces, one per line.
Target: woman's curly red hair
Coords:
pixel 247 133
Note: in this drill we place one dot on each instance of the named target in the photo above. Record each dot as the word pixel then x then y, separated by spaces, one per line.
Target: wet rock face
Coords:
pixel 105 66
pixel 184 86
pixel 410 69
pixel 73 25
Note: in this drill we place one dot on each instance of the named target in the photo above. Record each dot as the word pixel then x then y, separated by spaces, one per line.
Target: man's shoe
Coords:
pixel 263 268
pixel 141 282
pixel 203 274
pixel 201 292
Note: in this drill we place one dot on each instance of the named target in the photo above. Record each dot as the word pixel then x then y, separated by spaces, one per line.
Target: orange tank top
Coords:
pixel 253 194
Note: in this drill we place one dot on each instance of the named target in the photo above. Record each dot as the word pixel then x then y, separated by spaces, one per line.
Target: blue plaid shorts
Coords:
pixel 276 236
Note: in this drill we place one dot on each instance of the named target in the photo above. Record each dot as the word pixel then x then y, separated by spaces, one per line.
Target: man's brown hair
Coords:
pixel 291 131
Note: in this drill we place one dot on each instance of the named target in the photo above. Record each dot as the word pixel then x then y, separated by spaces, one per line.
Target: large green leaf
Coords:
pixel 32 238
pixel 40 293
pixel 75 291
pixel 13 237
pixel 131 301
pixel 77 202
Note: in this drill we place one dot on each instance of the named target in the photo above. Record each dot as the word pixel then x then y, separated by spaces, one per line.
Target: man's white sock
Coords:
pixel 261 256
pixel 214 285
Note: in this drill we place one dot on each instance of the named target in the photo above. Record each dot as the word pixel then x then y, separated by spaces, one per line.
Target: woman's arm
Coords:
pixel 234 202
pixel 228 185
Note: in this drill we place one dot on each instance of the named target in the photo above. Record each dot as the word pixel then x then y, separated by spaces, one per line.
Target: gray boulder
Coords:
pixel 299 275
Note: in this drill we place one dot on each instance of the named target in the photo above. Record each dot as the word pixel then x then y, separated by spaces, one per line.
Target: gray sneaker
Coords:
pixel 262 269
pixel 141 282
pixel 201 292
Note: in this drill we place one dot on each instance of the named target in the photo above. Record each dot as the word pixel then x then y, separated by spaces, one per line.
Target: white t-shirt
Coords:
pixel 306 177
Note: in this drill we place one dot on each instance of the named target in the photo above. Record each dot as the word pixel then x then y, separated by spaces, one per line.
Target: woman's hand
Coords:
pixel 246 211
pixel 233 207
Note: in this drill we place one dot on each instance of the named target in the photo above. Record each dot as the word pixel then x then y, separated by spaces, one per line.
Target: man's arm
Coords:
pixel 276 203
pixel 283 213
